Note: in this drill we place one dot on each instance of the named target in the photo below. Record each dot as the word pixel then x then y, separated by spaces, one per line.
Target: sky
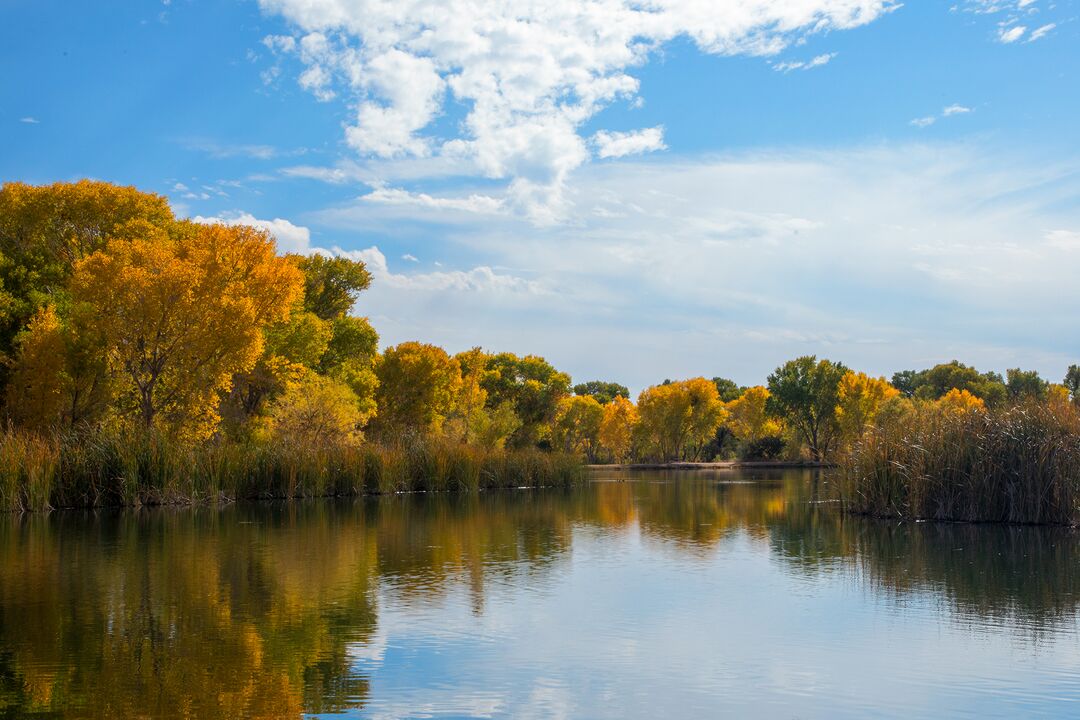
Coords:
pixel 636 190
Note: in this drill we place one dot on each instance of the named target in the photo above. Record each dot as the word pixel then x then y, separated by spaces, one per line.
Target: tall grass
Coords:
pixel 116 469
pixel 1018 465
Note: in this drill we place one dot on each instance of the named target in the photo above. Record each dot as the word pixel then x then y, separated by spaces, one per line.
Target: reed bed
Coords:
pixel 114 469
pixel 1015 465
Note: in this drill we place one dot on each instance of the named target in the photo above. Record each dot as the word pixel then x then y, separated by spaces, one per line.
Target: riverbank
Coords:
pixel 103 469
pixel 722 465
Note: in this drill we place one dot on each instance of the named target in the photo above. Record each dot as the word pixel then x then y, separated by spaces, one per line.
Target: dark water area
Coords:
pixel 697 594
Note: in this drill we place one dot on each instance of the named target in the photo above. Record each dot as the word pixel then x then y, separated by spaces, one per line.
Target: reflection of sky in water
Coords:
pixel 629 626
pixel 692 595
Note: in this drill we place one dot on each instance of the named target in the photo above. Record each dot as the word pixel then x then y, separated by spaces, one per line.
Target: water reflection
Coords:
pixel 279 610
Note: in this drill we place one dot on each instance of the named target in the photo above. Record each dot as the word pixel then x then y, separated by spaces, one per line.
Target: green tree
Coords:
pixel 1072 382
pixel 906 381
pixel 934 383
pixel 804 393
pixel 576 428
pixel 729 389
pixel 332 284
pixel 532 387
pixel 604 392
pixel 1025 385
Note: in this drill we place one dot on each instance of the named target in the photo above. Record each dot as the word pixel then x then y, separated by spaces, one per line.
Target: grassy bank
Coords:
pixel 1015 465
pixel 105 469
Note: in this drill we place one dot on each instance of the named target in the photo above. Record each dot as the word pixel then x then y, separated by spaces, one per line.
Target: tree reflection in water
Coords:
pixel 257 610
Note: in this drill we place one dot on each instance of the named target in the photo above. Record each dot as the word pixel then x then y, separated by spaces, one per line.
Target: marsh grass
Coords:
pixel 1015 465
pixel 112 469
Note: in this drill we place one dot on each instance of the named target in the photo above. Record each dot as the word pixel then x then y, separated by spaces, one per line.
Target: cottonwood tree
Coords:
pixel 418 384
pixel 531 386
pixel 804 393
pixel 859 400
pixel 604 392
pixel 678 419
pixel 617 428
pixel 181 312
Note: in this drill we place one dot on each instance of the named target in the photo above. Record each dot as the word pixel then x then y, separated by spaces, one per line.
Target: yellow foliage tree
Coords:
pixel 418 384
pixel 181 313
pixel 576 428
pixel 861 398
pixel 960 401
pixel 617 428
pixel 316 410
pixel 747 417
pixel 35 393
pixel 679 418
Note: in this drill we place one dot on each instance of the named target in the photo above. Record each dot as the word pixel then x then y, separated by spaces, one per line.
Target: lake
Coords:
pixel 649 594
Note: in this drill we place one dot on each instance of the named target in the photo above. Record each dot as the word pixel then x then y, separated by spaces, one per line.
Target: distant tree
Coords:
pixel 418 384
pixel 748 417
pixel 604 392
pixel 1072 382
pixel 728 389
pixel 314 411
pixel 860 398
pixel 937 381
pixel 804 393
pixel 1025 385
pixel 181 313
pixel 617 428
pixel 677 420
pixel 532 387
pixel 576 428
pixel 960 401
pixel 332 284
pixel 906 382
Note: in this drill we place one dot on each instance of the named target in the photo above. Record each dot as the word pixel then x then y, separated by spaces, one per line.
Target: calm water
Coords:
pixel 679 595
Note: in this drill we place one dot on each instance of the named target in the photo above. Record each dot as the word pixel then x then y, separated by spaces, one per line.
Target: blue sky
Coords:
pixel 699 189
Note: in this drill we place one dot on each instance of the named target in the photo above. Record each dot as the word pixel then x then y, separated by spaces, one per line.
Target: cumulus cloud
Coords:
pixel 620 144
pixel 290 238
pixel 530 74
pixel 473 203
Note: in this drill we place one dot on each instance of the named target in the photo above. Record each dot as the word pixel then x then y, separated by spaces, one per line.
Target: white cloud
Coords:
pixel 30 120
pixel 1041 32
pixel 1063 239
pixel 483 204
pixel 530 74
pixel 481 279
pixel 290 238
pixel 620 144
pixel 948 111
pixel 1011 34
pixel 408 257
pixel 817 61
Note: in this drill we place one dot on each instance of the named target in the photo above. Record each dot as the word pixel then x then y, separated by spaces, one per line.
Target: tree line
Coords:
pixel 114 313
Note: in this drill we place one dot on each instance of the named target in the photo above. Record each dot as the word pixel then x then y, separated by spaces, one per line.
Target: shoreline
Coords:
pixel 722 465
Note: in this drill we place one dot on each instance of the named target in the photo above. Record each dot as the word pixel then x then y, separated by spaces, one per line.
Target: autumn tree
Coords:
pixel 617 428
pixel 804 393
pixel 181 312
pixel 471 420
pixel 604 392
pixel 748 417
pixel 531 386
pixel 314 411
pixel 45 230
pixel 859 400
pixel 960 402
pixel 576 428
pixel 935 382
pixel 679 418
pixel 418 384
